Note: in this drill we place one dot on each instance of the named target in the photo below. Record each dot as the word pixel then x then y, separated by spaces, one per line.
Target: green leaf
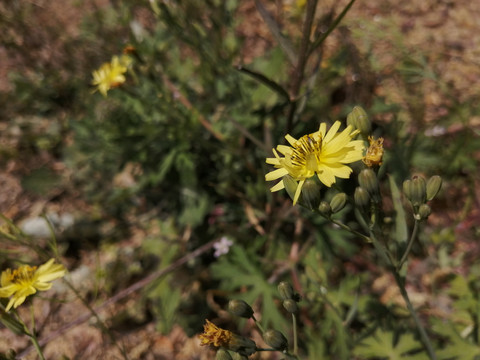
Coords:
pixel 458 347
pixel 382 345
pixel 239 270
pixel 401 229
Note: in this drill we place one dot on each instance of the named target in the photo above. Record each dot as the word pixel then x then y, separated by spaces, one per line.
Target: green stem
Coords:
pixel 295 337
pixel 260 327
pixel 421 329
pixel 409 246
pixel 31 334
pixel 394 269
pixel 35 343
pixel 348 228
pixel 332 27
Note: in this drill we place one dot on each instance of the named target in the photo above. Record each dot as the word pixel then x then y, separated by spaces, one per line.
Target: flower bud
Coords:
pixel 242 345
pixel 237 356
pixel 290 185
pixel 338 202
pixel 361 197
pixel 423 212
pixel 290 305
pixel 285 290
pixel 368 180
pixel 418 191
pixel 407 189
pixel 325 208
pixel 358 118
pixel 311 193
pixel 240 308
pixel 433 186
pixel 275 339
pixel 223 354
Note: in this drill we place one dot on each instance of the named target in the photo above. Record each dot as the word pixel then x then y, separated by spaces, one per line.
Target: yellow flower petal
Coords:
pixel 321 153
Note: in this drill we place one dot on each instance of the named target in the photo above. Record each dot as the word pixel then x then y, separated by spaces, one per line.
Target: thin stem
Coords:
pixel 348 228
pixel 409 246
pixel 31 334
pixel 421 329
pixel 394 269
pixel 260 327
pixel 303 55
pixel 295 337
pixel 35 343
pixel 332 27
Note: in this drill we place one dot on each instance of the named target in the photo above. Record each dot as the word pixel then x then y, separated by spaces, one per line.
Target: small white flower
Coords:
pixel 222 246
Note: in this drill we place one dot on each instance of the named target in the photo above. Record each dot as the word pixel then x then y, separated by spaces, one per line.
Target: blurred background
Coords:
pixel 174 158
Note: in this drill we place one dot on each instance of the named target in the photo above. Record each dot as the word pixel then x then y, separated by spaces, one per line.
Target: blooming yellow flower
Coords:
pixel 111 75
pixel 374 154
pixel 322 153
pixel 26 280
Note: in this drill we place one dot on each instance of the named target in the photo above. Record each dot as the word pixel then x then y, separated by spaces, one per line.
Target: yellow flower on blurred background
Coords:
pixel 25 281
pixel 322 153
pixel 111 75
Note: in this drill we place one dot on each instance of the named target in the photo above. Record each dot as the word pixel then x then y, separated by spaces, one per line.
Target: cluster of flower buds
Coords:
pixel 418 192
pixel 368 189
pixel 336 204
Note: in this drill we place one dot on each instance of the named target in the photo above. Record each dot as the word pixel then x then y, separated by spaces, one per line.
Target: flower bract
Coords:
pixel 321 153
pixel 26 280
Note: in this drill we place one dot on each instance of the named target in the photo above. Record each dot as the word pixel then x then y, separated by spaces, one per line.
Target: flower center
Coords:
pixel 306 152
pixel 24 274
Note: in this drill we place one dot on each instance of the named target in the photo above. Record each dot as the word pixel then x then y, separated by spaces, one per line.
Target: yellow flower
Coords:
pixel 111 75
pixel 321 153
pixel 374 154
pixel 213 335
pixel 26 280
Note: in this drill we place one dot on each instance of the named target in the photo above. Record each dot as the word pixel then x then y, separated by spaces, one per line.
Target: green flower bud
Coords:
pixel 240 308
pixel 290 305
pixel 338 202
pixel 285 290
pixel 290 185
pixel 276 340
pixel 325 208
pixel 238 356
pixel 311 193
pixel 242 345
pixel 407 189
pixel 368 180
pixel 418 191
pixel 358 118
pixel 423 212
pixel 433 186
pixel 361 197
pixel 223 354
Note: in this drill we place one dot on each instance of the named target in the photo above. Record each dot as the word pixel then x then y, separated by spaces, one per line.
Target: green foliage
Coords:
pixel 388 345
pixel 239 270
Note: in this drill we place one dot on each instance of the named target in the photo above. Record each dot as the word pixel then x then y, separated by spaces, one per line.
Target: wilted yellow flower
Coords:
pixel 213 335
pixel 374 154
pixel 25 281
pixel 111 75
pixel 321 153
